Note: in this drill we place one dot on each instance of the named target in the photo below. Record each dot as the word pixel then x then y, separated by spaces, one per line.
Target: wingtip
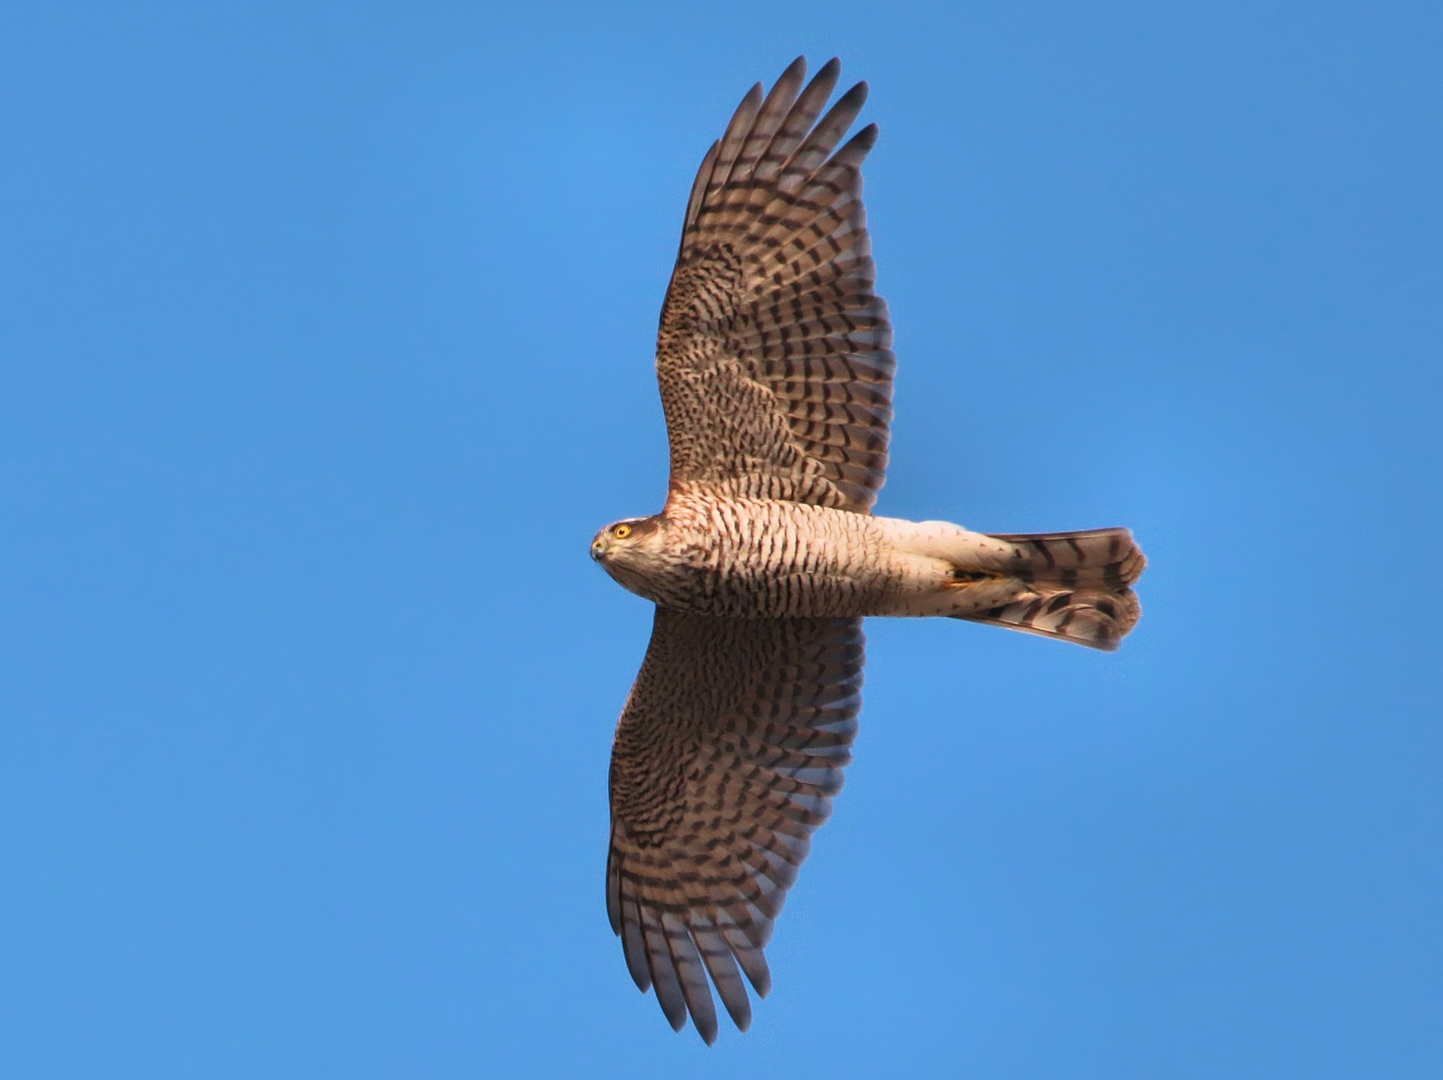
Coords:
pixel 856 97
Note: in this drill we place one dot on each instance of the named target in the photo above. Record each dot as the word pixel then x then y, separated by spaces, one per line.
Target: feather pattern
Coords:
pixel 774 354
pixel 1077 585
pixel 728 754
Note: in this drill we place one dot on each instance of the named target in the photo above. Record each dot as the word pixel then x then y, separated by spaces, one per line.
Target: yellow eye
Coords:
pixel 621 532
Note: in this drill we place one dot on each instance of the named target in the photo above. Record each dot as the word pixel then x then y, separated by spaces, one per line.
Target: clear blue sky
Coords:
pixel 325 346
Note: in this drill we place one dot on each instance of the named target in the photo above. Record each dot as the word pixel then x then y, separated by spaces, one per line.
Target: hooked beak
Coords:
pixel 598 548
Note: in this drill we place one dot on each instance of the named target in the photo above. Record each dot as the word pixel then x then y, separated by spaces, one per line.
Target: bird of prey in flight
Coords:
pixel 775 367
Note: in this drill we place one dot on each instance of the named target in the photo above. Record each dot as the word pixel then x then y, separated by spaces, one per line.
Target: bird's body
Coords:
pixel 758 558
pixel 735 558
pixel 775 367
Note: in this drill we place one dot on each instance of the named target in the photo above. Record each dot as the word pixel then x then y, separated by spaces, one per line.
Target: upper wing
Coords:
pixel 774 354
pixel 728 752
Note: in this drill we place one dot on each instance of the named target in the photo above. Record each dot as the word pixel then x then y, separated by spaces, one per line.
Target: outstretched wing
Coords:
pixel 774 353
pixel 726 759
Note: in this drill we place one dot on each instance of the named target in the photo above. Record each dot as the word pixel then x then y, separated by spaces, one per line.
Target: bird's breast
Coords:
pixel 744 558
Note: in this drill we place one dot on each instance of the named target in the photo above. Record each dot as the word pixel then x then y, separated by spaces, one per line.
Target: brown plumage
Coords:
pixel 775 366
pixel 774 354
pixel 728 752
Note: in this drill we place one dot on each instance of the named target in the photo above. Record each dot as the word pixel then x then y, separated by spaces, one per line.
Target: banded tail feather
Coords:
pixel 1076 585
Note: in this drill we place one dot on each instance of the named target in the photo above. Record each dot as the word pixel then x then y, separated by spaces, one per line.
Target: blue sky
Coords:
pixel 325 346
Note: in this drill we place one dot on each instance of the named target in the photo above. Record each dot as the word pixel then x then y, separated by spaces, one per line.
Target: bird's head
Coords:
pixel 627 548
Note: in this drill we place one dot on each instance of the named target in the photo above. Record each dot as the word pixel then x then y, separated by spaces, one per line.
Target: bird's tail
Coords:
pixel 1072 586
